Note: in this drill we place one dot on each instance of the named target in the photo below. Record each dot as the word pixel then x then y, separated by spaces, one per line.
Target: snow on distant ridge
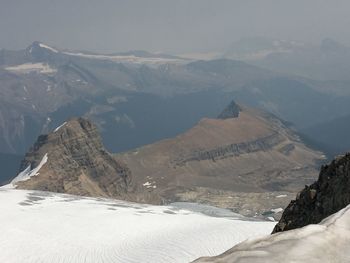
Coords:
pixel 47 47
pixel 27 173
pixel 132 59
pixel 32 67
pixel 49 227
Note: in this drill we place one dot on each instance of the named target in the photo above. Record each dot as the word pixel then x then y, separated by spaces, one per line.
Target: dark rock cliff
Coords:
pixel 329 194
pixel 231 111
pixel 228 151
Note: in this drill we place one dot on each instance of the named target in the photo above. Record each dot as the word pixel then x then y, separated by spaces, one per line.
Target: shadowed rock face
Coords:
pixel 329 194
pixel 77 163
pixel 231 111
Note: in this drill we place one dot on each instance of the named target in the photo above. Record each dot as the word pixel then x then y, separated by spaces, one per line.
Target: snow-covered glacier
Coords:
pixel 48 227
pixel 327 241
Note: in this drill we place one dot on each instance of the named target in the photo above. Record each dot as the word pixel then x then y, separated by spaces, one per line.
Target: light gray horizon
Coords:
pixel 177 26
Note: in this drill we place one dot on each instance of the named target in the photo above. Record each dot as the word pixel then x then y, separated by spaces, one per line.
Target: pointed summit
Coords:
pixel 231 111
pixel 39 52
pixel 72 159
pixel 36 45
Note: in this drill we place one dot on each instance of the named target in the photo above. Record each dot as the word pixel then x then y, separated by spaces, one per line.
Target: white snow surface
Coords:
pixel 325 242
pixel 27 173
pixel 48 227
pixel 277 210
pixel 32 67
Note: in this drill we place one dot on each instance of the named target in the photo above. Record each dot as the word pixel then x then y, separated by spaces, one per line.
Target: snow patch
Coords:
pixel 47 47
pixel 150 184
pixel 147 184
pixel 32 67
pixel 27 173
pixel 59 127
pixel 281 196
pixel 277 210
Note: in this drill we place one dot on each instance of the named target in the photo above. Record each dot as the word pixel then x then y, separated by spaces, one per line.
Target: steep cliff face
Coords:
pixel 73 160
pixel 329 194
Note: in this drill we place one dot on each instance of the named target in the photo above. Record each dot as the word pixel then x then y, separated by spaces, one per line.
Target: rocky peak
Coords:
pixel 329 194
pixel 70 132
pixel 39 52
pixel 231 111
pixel 75 162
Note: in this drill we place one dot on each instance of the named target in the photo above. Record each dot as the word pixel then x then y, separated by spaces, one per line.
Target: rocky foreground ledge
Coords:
pixel 329 194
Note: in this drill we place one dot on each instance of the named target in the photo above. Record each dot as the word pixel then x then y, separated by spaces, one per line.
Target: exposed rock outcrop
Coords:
pixel 329 194
pixel 73 160
pixel 236 149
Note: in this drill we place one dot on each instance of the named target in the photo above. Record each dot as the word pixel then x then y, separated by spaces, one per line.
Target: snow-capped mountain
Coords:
pixel 132 57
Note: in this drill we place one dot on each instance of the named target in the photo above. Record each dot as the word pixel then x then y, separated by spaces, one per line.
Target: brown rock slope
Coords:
pixel 329 194
pixel 73 160
pixel 244 151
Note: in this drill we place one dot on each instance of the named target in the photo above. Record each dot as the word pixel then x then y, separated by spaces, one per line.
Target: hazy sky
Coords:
pixel 175 26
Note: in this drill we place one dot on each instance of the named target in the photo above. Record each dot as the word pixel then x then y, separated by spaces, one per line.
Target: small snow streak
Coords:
pixel 59 127
pixel 47 47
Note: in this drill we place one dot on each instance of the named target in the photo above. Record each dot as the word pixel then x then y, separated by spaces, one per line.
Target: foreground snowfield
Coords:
pixel 47 227
pixel 328 241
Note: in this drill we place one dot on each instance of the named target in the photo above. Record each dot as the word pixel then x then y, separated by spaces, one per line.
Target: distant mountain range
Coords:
pixel 328 61
pixel 143 97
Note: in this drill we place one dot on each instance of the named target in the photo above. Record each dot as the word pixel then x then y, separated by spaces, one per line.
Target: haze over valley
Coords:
pixel 174 131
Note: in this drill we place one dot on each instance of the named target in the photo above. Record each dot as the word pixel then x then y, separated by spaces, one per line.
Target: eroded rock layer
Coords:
pixel 244 151
pixel 73 160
